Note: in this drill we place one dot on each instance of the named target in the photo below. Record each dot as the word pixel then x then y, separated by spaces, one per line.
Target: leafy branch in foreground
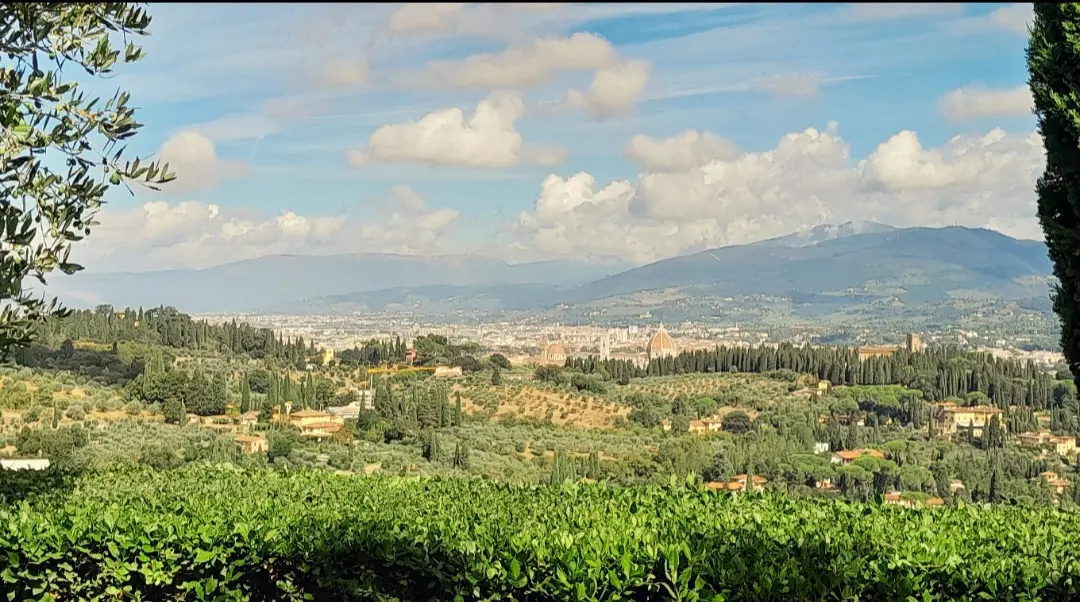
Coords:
pixel 60 150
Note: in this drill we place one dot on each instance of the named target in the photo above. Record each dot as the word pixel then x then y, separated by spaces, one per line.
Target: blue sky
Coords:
pixel 259 106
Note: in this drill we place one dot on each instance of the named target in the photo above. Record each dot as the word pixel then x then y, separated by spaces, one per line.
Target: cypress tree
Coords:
pixel 431 448
pixel 457 408
pixel 461 455
pixel 245 395
pixel 1053 58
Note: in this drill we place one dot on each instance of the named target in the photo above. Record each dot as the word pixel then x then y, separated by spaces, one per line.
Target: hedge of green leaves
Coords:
pixel 204 533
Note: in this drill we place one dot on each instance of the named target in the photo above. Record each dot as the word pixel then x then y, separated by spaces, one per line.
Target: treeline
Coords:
pixel 170 327
pixel 180 392
pixel 431 350
pixel 938 373
pixel 417 406
pixel 373 353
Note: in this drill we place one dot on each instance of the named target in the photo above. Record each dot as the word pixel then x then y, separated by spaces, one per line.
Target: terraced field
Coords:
pixel 529 399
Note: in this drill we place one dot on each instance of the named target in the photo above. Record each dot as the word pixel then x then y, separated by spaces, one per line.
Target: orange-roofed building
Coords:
pixel 877 351
pixel 848 456
pixel 251 445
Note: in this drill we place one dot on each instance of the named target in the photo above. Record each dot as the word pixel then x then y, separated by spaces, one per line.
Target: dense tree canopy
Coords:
pixel 1054 77
pixel 938 373
pixel 170 327
pixel 48 122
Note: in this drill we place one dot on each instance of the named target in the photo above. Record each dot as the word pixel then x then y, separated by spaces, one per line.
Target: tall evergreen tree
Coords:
pixel 1053 59
pixel 457 408
pixel 461 455
pixel 245 395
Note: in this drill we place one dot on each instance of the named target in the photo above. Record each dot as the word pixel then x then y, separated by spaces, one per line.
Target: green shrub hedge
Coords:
pixel 219 533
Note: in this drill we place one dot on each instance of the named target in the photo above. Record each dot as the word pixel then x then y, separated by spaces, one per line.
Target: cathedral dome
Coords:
pixel 555 352
pixel 660 345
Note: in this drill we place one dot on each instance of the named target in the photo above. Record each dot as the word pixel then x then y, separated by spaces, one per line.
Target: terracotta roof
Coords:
pixel 878 349
pixel 660 341
pixel 307 414
pixel 735 486
pixel 759 480
pixel 974 410
pixel 892 496
pixel 855 454
pixel 247 439
pixel 326 426
pixel 934 501
pixel 716 485
pixel 555 350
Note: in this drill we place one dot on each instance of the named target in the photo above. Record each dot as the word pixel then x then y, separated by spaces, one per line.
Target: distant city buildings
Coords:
pixel 516 337
pixel 913 344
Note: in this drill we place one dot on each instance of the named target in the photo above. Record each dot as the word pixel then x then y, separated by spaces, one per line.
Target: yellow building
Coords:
pixel 1057 484
pixel 914 344
pixel 707 425
pixel 302 418
pixel 327 356
pixel 876 351
pixel 252 445
pixel 953 418
pixel 1063 445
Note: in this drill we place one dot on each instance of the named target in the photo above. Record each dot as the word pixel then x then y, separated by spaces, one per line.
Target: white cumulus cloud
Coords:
pixel 614 90
pixel 193 158
pixel 977 102
pixel 697 191
pixel 681 152
pixel 486 139
pixel 1015 17
pixel 192 234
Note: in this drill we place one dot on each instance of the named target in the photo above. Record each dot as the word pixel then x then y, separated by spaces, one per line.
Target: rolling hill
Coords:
pixel 828 266
pixel 259 284
pixel 914 264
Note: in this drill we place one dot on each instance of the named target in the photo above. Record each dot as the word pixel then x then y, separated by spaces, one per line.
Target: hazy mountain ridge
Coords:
pixel 854 262
pixel 846 266
pixel 270 281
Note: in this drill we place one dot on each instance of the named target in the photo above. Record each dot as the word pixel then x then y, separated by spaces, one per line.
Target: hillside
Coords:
pixel 821 270
pixel 915 264
pixel 825 266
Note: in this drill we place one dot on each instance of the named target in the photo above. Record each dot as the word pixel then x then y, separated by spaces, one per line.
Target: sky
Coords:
pixel 593 132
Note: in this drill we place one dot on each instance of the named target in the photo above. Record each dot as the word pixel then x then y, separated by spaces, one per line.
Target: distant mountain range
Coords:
pixel 259 284
pixel 854 262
